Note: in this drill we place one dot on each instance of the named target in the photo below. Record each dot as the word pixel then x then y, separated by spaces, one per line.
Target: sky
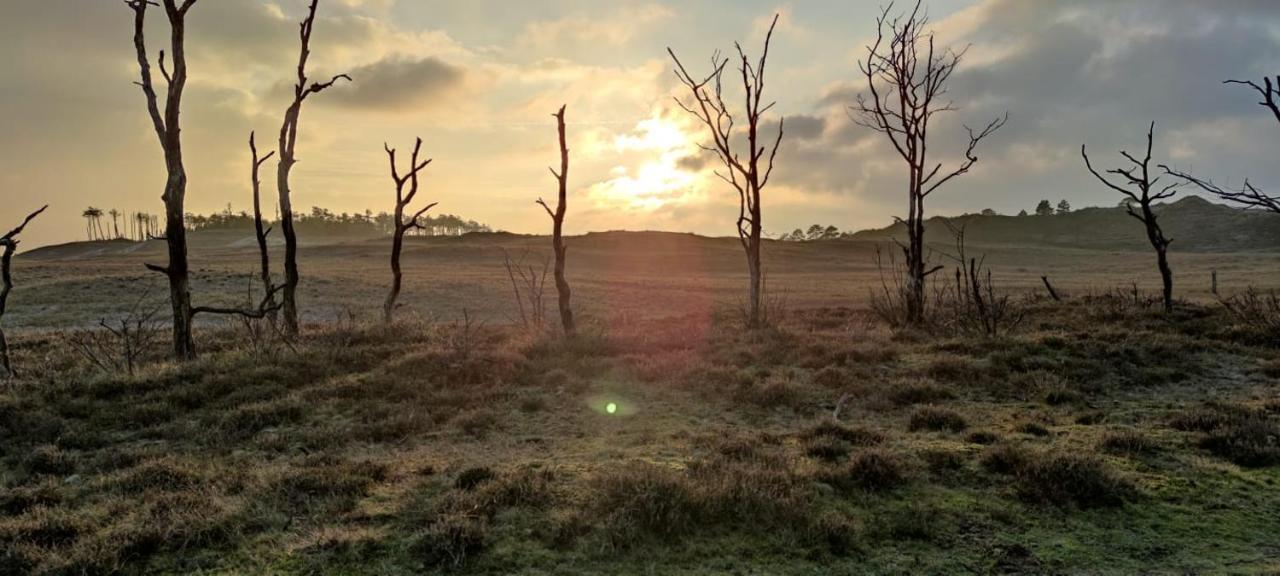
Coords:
pixel 479 80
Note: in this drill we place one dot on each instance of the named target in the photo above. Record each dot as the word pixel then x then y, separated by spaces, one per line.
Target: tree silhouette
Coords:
pixel 748 175
pixel 9 245
pixel 557 228
pixel 1247 195
pixel 1139 177
pixel 288 157
pixel 400 225
pixel 907 79
pixel 169 132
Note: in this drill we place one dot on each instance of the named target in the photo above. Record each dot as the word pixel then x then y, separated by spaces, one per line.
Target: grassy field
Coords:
pixel 616 277
pixel 1098 437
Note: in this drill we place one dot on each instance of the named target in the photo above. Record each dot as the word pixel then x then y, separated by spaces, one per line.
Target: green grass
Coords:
pixel 1075 445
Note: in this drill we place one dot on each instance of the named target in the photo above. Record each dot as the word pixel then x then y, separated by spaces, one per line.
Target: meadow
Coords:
pixel 1098 435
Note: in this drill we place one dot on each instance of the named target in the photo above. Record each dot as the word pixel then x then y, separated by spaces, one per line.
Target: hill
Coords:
pixel 1195 224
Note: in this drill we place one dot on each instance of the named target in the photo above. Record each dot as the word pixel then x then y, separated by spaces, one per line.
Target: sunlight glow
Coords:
pixel 658 180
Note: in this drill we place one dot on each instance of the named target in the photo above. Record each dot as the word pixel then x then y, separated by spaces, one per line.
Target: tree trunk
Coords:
pixel 397 245
pixel 557 234
pixel 6 260
pixel 260 231
pixel 291 279
pixel 1166 276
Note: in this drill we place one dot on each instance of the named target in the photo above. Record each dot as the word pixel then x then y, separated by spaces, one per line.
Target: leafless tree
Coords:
pixel 169 132
pixel 907 78
pixel 1141 189
pixel 748 175
pixel 557 228
pixel 399 224
pixel 261 231
pixel 120 345
pixel 1247 195
pixel 527 284
pixel 9 244
pixel 115 223
pixel 288 157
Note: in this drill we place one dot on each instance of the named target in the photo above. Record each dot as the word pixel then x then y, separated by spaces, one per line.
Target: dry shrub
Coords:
pixel 873 470
pixel 1243 435
pixel 936 419
pixel 920 393
pixel 1129 442
pixel 1070 479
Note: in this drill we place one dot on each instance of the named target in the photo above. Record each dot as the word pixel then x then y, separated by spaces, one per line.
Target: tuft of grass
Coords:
pixel 1065 479
pixel 451 540
pixel 1005 458
pixel 1128 442
pixel 935 419
pixel 857 436
pixel 873 470
pixel 1032 429
pixel 1245 436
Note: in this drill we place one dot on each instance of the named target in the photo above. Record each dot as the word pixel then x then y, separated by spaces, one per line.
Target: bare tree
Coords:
pixel 1139 177
pixel 527 284
pixel 748 175
pixel 399 224
pixel 288 157
pixel 115 223
pixel 907 79
pixel 169 132
pixel 261 231
pixel 557 228
pixel 9 243
pixel 1247 195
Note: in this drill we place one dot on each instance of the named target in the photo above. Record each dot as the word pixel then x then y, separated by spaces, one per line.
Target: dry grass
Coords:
pixel 403 450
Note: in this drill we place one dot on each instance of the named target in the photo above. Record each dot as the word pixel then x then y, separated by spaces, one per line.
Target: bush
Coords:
pixel 470 478
pixel 1005 458
pixel 1242 435
pixel 869 470
pixel 1070 479
pixel 937 419
pixel 1032 429
pixel 1129 442
pixel 451 540
pixel 920 393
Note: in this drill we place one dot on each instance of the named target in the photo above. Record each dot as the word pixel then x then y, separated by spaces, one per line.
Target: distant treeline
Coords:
pixel 324 221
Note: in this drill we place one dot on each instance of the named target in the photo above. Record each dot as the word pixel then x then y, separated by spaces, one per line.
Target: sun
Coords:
pixel 656 179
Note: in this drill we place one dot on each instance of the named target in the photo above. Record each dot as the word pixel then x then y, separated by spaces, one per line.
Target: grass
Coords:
pixel 375 450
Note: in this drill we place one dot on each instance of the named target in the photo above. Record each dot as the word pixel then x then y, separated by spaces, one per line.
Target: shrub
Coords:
pixel 1032 429
pixel 1070 479
pixel 1127 442
pixel 1062 396
pixel 870 470
pixel 936 419
pixel 920 393
pixel 451 540
pixel 1251 442
pixel 942 462
pixel 830 377
pixel 1004 458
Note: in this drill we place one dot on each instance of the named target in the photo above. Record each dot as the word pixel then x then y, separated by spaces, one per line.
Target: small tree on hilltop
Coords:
pixel 1044 208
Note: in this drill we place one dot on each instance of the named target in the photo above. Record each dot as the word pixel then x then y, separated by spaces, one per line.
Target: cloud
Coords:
pixel 584 32
pixel 399 83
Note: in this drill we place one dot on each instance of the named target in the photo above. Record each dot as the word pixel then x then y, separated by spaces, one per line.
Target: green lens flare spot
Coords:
pixel 611 408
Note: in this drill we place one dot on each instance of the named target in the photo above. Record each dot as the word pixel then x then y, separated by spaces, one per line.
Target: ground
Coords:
pixel 1098 436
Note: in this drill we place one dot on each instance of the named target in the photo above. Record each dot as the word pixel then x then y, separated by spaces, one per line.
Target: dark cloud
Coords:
pixel 397 84
pixel 1069 73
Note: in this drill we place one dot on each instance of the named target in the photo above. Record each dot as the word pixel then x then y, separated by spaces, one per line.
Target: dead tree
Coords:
pixel 9 243
pixel 557 228
pixel 907 80
pixel 1247 195
pixel 1139 177
pixel 399 224
pixel 750 174
pixel 261 231
pixel 169 132
pixel 288 157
